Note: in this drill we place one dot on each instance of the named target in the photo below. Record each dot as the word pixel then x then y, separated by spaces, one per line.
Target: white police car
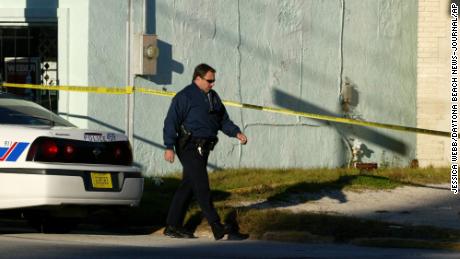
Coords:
pixel 48 163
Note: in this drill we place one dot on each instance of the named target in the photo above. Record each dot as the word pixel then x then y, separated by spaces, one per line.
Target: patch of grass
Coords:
pixel 366 182
pixel 256 184
pixel 233 179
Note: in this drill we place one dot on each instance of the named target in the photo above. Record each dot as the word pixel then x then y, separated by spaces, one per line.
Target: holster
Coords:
pixel 207 144
pixel 184 137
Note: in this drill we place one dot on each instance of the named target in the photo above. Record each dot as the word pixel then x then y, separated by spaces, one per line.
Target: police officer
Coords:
pixel 190 128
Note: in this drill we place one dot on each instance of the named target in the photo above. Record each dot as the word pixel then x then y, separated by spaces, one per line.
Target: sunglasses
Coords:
pixel 209 80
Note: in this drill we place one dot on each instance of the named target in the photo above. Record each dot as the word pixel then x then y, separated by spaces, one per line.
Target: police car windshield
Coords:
pixel 21 112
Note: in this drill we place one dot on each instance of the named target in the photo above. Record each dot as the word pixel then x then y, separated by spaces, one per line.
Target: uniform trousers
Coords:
pixel 195 182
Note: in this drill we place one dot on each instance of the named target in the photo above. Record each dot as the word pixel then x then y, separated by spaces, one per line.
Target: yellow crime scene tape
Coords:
pixel 155 92
pixel 88 89
pixel 130 90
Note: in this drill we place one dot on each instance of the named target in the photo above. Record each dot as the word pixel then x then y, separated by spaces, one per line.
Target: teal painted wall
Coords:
pixel 107 62
pixel 289 54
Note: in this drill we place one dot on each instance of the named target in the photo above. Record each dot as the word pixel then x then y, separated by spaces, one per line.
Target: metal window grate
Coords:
pixel 28 54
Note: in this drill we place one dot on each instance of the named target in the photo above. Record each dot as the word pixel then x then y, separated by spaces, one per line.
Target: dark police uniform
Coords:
pixel 203 115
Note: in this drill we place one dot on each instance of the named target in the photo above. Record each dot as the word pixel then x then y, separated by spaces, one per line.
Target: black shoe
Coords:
pixel 219 230
pixel 177 232
pixel 236 236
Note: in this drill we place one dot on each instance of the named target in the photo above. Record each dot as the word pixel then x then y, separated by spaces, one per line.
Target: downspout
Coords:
pixel 129 77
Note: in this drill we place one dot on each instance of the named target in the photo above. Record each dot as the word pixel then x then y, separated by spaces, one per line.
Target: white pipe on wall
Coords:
pixel 130 77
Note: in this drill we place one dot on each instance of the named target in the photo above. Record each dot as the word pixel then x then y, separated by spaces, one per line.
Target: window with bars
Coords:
pixel 28 55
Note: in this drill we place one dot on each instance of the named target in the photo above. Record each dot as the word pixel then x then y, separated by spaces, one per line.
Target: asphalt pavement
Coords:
pixel 69 246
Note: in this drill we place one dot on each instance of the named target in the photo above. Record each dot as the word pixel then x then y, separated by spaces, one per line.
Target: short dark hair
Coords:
pixel 201 70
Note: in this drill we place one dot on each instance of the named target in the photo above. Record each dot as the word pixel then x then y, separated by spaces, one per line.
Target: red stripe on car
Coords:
pixel 8 152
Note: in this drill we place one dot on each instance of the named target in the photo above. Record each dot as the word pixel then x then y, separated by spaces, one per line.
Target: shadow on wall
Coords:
pixel 151 23
pixel 291 102
pixel 42 4
pixel 38 9
pixel 166 65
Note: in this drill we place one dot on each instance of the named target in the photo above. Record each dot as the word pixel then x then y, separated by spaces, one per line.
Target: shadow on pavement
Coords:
pixel 147 218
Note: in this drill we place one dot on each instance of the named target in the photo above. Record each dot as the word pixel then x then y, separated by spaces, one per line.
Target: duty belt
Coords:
pixel 204 145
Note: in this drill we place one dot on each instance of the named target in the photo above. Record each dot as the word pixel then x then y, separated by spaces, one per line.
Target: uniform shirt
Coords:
pixel 202 114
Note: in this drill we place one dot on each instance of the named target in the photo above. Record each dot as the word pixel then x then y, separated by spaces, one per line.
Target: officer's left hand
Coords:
pixel 169 155
pixel 242 138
